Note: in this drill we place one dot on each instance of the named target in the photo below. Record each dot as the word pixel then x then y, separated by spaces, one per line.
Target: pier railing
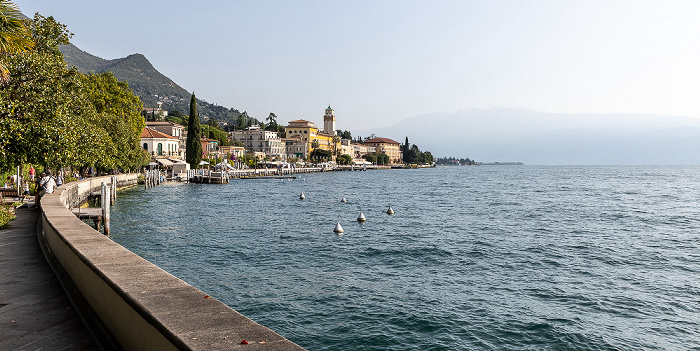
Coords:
pixel 140 305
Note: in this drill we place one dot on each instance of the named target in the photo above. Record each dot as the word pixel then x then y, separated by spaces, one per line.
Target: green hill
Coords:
pixel 147 83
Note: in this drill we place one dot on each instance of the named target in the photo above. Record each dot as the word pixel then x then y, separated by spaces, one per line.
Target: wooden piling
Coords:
pixel 105 197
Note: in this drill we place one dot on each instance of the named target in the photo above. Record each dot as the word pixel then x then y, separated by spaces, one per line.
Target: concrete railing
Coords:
pixel 142 306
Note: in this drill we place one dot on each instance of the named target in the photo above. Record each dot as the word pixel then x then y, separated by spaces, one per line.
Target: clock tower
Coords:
pixel 329 121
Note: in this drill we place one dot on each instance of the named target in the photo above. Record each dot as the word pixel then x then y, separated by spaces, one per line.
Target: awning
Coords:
pixel 164 161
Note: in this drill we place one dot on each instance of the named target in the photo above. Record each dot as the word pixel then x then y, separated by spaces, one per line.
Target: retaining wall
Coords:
pixel 142 306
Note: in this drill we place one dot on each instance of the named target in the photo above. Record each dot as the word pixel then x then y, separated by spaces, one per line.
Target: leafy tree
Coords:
pixel 215 133
pixel 119 114
pixel 320 154
pixel 179 118
pixel 315 144
pixel 344 159
pixel 42 108
pixel 382 158
pixel 54 116
pixel 344 134
pixel 370 157
pixel 194 133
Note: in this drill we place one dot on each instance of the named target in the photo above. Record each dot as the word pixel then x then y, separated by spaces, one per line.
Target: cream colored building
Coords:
pixel 387 146
pixel 172 129
pixel 160 144
pixel 261 141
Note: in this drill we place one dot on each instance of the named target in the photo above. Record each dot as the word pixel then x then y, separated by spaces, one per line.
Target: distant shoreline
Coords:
pixel 500 164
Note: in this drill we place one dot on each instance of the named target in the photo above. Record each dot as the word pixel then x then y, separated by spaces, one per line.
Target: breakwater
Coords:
pixel 140 306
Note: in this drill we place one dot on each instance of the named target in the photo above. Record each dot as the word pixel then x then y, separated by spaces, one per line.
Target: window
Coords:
pixel 145 146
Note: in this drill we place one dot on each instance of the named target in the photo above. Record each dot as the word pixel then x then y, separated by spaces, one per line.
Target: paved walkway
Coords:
pixel 35 313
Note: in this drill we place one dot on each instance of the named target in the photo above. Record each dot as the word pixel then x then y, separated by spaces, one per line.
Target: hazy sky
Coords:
pixel 378 62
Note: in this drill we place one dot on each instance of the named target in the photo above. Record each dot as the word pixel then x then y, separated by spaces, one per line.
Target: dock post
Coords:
pixel 113 192
pixel 105 197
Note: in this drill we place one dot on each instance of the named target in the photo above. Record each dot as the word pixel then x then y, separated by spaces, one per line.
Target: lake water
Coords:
pixel 475 258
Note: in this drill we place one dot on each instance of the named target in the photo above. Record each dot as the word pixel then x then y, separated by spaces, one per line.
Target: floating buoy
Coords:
pixel 338 228
pixel 301 196
pixel 390 211
pixel 361 218
pixel 343 199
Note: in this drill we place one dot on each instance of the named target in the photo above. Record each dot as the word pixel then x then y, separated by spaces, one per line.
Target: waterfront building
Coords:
pixel 346 147
pixel 387 146
pixel 360 150
pixel 296 147
pixel 172 129
pixel 306 132
pixel 233 153
pixel 210 148
pixel 160 144
pixel 258 140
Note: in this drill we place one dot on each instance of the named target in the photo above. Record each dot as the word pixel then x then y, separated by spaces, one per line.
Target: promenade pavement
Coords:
pixel 35 313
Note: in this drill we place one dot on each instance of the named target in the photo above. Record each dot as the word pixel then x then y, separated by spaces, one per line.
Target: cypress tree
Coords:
pixel 406 150
pixel 194 133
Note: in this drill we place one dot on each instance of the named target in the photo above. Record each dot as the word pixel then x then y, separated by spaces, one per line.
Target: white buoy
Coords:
pixel 390 211
pixel 338 228
pixel 343 199
pixel 361 217
pixel 301 196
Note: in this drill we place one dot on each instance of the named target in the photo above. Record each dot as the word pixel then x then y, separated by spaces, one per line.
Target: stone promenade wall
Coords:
pixel 142 306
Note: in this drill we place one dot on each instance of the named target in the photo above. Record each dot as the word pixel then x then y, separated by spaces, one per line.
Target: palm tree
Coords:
pixel 336 142
pixel 14 35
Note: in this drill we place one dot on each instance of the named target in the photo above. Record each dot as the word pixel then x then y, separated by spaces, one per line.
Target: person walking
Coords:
pixel 46 186
pixel 32 173
pixel 25 189
pixel 59 178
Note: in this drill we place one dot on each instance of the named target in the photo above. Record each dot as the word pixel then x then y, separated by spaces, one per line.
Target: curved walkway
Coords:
pixel 35 313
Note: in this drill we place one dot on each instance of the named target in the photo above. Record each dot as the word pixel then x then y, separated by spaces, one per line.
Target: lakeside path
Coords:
pixel 35 313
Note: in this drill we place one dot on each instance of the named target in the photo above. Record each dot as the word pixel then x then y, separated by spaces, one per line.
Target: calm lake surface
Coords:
pixel 475 258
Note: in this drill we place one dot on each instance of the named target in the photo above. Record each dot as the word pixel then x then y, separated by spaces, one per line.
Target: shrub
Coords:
pixel 6 215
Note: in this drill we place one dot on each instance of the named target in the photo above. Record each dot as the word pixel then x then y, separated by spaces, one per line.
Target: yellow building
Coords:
pixel 306 132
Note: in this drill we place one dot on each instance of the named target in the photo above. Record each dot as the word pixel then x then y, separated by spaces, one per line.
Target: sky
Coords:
pixel 379 62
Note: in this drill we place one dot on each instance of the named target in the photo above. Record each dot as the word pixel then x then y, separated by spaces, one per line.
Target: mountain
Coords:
pixel 147 83
pixel 553 138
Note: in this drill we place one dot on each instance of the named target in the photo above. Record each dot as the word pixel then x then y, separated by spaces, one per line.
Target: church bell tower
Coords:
pixel 329 121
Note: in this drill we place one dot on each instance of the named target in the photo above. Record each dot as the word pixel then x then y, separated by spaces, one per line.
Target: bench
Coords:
pixel 10 193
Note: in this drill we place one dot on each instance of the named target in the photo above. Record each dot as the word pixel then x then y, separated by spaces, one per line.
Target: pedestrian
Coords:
pixel 25 189
pixel 59 178
pixel 32 173
pixel 46 186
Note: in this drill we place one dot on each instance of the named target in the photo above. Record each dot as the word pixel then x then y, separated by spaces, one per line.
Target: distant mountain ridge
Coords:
pixel 511 134
pixel 147 82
